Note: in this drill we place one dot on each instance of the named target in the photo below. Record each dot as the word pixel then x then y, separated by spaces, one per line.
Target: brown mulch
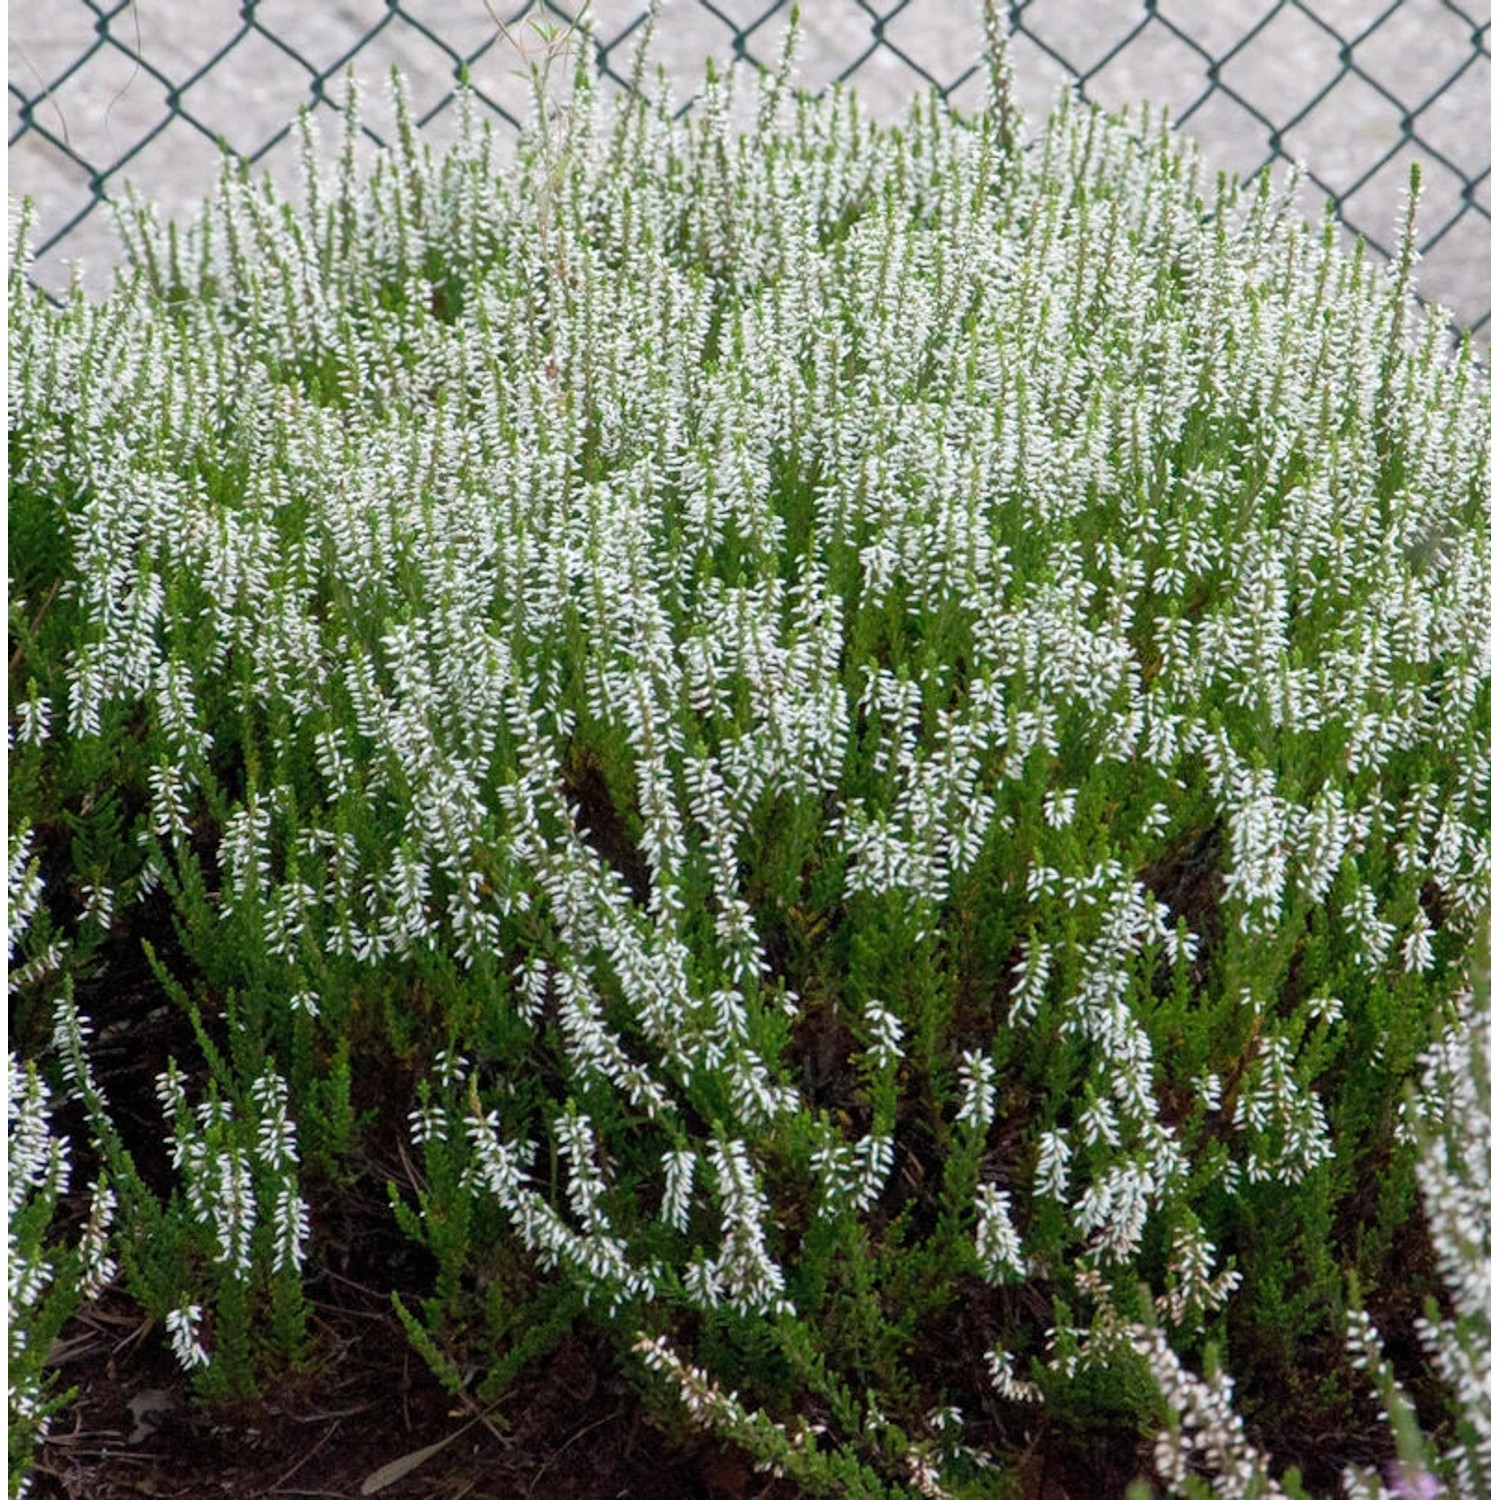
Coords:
pixel 572 1431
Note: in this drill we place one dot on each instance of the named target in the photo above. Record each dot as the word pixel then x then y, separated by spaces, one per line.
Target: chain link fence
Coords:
pixel 154 91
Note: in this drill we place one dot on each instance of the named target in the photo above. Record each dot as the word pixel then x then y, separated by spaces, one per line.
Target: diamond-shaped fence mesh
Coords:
pixel 152 92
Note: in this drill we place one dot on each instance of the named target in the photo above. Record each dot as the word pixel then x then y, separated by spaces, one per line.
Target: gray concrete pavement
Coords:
pixel 242 80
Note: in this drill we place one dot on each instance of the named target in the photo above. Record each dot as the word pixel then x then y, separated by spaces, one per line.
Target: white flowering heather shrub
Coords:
pixel 1206 1452
pixel 871 741
pixel 46 1280
pixel 47 1276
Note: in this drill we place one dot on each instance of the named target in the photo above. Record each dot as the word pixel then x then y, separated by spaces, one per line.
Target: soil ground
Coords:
pixel 572 1430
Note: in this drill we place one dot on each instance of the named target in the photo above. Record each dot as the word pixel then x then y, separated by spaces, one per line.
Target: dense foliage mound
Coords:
pixel 864 747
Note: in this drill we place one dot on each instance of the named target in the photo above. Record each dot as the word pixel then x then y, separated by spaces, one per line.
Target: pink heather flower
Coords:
pixel 1410 1482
